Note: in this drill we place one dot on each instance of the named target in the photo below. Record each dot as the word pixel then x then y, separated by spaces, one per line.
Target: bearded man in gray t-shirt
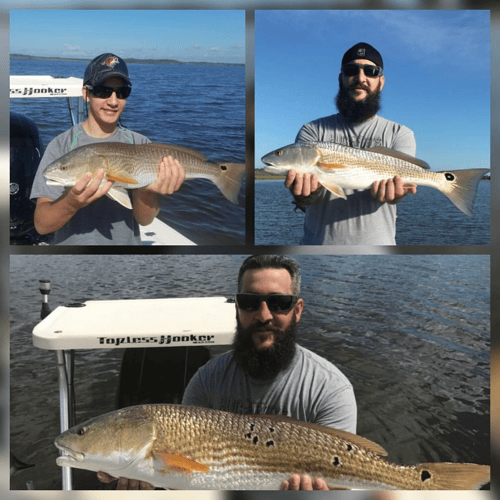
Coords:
pixel 366 217
pixel 267 372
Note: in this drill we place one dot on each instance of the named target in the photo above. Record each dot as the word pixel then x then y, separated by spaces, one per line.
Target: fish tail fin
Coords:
pixel 230 179
pixel 461 187
pixel 451 476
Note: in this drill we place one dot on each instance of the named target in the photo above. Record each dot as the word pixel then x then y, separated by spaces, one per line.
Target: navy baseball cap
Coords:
pixel 103 67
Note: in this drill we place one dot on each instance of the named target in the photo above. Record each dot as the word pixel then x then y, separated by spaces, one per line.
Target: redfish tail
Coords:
pixel 462 186
pixel 450 476
pixel 230 179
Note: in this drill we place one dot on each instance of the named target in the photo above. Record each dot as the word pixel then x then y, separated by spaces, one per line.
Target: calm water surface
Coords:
pixel 410 332
pixel 427 218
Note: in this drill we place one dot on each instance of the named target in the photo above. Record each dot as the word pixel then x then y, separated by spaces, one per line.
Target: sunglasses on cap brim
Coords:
pixel 276 302
pixel 369 70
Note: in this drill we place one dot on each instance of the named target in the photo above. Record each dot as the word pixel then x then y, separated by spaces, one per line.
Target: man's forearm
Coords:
pixel 145 206
pixel 52 215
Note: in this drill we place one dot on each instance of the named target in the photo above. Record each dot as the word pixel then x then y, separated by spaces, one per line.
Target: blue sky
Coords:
pixel 185 35
pixel 436 66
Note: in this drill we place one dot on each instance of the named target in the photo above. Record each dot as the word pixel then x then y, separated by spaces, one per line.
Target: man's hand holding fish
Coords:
pixel 391 190
pixel 303 185
pixel 304 482
pixel 51 215
pixel 145 201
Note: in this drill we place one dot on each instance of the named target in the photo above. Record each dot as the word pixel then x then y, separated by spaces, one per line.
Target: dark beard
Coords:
pixel 354 111
pixel 264 364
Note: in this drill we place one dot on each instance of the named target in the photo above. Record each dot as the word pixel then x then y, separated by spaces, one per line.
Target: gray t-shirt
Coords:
pixel 359 220
pixel 311 389
pixel 103 222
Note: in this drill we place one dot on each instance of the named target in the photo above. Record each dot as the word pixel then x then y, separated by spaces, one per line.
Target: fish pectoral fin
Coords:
pixel 122 177
pixel 180 463
pixel 120 195
pixel 332 166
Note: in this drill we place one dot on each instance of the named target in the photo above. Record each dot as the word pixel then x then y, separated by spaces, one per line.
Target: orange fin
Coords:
pixel 122 178
pixel 181 463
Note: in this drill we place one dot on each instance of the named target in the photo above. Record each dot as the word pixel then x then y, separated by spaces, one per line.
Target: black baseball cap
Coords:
pixel 363 51
pixel 103 67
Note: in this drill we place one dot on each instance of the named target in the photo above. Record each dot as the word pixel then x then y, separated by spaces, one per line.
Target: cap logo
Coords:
pixel 361 52
pixel 111 62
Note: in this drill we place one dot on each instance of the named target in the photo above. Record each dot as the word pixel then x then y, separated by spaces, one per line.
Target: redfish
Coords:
pixel 133 166
pixel 341 167
pixel 184 447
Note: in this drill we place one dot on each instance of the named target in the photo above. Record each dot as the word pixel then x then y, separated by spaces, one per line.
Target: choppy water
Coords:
pixel 199 107
pixel 410 332
pixel 427 218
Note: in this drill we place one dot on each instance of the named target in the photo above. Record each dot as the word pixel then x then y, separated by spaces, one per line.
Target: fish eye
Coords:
pixel 64 167
pixel 81 431
pixel 279 152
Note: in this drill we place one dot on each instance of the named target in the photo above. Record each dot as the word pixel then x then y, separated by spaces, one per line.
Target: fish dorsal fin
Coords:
pixel 346 436
pixel 399 155
pixel 164 149
pixel 180 463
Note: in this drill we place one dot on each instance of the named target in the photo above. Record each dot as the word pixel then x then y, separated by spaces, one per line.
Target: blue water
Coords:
pixel 427 218
pixel 411 332
pixel 200 107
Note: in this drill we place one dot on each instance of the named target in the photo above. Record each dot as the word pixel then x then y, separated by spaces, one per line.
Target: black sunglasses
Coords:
pixel 103 92
pixel 369 70
pixel 276 302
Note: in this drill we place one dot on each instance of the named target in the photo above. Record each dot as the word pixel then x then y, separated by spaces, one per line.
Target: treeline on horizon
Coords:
pixel 127 60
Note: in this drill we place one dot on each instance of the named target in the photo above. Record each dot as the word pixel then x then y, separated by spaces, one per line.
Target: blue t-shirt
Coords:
pixel 103 222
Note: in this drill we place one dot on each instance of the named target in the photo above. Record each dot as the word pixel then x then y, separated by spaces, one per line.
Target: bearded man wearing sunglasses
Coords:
pixel 367 217
pixel 82 214
pixel 267 372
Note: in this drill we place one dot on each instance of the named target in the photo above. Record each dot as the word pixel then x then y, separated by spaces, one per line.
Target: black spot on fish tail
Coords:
pixel 270 443
pixel 271 429
pixel 336 461
pixel 255 440
pixel 349 447
pixel 223 167
pixel 249 435
pixel 449 176
pixel 425 475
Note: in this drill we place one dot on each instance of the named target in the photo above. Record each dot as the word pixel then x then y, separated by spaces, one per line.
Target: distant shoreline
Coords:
pixel 127 60
pixel 261 175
